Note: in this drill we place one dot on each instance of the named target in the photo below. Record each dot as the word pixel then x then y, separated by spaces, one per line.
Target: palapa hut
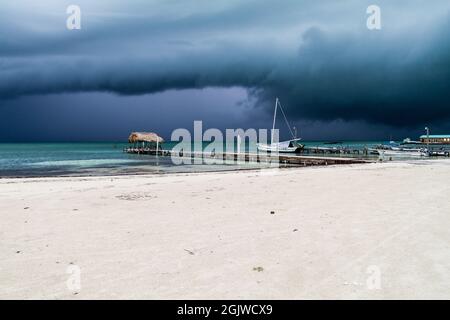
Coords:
pixel 148 139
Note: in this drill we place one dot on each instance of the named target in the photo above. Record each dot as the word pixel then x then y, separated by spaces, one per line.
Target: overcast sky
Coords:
pixel 161 64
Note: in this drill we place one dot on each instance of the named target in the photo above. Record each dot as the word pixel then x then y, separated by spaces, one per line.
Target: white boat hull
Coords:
pixel 271 148
pixel 394 153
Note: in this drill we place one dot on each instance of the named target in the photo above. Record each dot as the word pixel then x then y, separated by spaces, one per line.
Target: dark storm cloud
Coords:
pixel 319 58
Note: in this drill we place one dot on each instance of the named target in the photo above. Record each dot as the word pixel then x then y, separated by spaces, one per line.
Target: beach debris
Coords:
pixel 136 196
pixel 26 208
pixel 18 251
pixel 353 283
pixel 189 251
pixel 258 269
pixel 74 209
pixel 272 212
pixel 295 230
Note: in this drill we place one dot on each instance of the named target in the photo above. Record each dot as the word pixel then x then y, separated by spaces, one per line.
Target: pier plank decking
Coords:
pixel 282 158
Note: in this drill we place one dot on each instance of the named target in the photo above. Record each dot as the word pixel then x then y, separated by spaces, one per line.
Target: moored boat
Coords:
pixel 284 146
pixel 288 146
pixel 399 152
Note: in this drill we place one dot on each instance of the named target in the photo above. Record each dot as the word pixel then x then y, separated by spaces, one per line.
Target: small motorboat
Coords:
pixel 399 152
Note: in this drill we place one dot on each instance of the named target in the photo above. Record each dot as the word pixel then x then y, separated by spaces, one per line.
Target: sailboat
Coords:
pixel 289 146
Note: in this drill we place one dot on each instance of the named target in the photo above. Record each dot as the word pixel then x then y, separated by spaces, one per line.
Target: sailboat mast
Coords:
pixel 274 118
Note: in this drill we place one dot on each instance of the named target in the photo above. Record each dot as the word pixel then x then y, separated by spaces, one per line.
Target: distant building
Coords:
pixel 440 139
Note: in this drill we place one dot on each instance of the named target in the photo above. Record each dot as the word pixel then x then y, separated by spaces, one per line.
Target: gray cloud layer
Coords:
pixel 319 58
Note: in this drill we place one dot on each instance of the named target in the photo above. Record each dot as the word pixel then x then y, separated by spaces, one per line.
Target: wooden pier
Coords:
pixel 335 150
pixel 281 158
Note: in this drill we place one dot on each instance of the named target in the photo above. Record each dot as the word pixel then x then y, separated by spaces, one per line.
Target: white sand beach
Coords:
pixel 353 231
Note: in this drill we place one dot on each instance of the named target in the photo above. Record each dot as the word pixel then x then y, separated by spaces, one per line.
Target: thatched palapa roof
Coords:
pixel 144 137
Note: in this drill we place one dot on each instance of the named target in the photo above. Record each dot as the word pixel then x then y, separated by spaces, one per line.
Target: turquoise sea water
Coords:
pixel 55 159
